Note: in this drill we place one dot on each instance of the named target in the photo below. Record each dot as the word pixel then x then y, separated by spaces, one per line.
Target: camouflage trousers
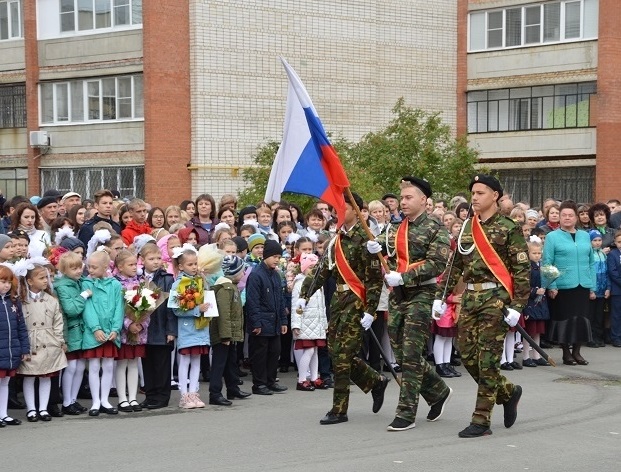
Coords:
pixel 482 333
pixel 344 345
pixel 408 328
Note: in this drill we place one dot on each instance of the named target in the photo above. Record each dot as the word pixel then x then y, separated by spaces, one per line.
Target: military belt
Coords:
pixel 482 286
pixel 342 288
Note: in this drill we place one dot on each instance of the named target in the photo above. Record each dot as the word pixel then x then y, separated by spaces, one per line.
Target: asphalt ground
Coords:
pixel 569 419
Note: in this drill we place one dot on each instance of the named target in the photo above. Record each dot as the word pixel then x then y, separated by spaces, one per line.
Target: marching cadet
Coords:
pixel 418 250
pixel 493 257
pixel 359 283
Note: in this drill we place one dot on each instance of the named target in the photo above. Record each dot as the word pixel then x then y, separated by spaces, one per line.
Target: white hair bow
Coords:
pixel 178 251
pixel 254 223
pixel 534 239
pixel 100 236
pixel 22 266
pixel 292 238
pixel 312 236
pixel 221 225
pixel 38 260
pixel 62 233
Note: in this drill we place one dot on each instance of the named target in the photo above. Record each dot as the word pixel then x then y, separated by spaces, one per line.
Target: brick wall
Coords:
pixel 32 92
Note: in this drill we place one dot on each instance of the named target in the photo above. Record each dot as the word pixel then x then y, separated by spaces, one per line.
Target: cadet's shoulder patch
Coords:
pixel 375 262
pixel 522 257
pixel 444 251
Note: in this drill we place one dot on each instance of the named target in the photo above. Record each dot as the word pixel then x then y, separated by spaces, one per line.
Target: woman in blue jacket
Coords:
pixel 569 250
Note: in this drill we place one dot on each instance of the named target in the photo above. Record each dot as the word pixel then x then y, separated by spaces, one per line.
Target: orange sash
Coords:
pixel 348 274
pixel 403 254
pixel 490 256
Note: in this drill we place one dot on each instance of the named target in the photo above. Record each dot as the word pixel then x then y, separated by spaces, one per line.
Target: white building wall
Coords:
pixel 356 58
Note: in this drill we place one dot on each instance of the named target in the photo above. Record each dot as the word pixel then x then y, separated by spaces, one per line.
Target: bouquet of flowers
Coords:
pixel 140 302
pixel 549 274
pixel 189 295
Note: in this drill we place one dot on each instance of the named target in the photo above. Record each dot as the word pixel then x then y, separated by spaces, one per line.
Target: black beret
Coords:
pixel 390 195
pixel 422 184
pixel 45 201
pixel 488 180
pixel 357 199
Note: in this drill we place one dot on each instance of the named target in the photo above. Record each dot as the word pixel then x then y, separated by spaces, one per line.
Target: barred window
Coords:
pixel 12 106
pixel 129 181
pixel 529 108
pixel 79 101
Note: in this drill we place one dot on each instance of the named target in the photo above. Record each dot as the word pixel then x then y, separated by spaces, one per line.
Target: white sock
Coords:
pixel 29 393
pixel 297 354
pixel 448 347
pixel 45 385
pixel 195 372
pixel 509 347
pixel 107 374
pixel 120 375
pixel 67 382
pixel 314 365
pixel 94 382
pixel 183 371
pixel 77 379
pixel 535 355
pixel 439 348
pixel 173 355
pixel 4 397
pixel 132 379
pixel 304 364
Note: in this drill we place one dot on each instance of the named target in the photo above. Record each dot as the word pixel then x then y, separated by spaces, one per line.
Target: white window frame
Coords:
pixel 85 118
pixel 133 4
pixel 12 35
pixel 522 44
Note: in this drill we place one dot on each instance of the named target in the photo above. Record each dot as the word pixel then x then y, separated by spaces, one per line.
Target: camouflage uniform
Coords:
pixel 482 329
pixel 346 311
pixel 410 316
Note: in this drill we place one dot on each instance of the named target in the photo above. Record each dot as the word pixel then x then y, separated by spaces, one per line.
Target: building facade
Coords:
pixel 168 100
pixel 536 94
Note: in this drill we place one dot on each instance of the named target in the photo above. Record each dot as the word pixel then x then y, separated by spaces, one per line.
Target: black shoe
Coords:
pixel 54 411
pixel 220 401
pixel 240 382
pixel 237 395
pixel 242 373
pixel 475 431
pixel 438 408
pixel 541 361
pixel 277 388
pixel 93 412
pixel 45 416
pixel 108 411
pixel 592 344
pixel 284 369
pixel 15 404
pixel 328 382
pixel 616 344
pixel 451 369
pixel 378 393
pixel 135 406
pixel 262 390
pixel 545 345
pixel 71 410
pixel 516 365
pixel 156 405
pixel 455 362
pixel 529 363
pixel 2 424
pixel 144 403
pixel 80 408
pixel 8 421
pixel 31 418
pixel 506 366
pixel 332 418
pixel 399 424
pixel 442 371
pixel 125 407
pixel 511 406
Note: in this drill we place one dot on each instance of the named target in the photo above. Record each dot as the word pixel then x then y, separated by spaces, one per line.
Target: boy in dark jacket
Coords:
pixel 161 334
pixel 267 320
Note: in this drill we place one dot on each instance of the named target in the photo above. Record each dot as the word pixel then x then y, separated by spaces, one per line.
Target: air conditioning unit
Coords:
pixel 39 139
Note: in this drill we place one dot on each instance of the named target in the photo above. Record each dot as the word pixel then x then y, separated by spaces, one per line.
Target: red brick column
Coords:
pixel 167 127
pixel 462 67
pixel 32 93
pixel 607 183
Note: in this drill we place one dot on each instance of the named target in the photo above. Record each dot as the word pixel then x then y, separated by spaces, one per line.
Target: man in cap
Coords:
pixel 358 287
pixel 419 250
pixel 393 205
pixel 493 260
pixel 69 200
pixel 48 210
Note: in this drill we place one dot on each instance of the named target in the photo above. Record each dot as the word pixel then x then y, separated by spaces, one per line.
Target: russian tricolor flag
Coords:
pixel 306 162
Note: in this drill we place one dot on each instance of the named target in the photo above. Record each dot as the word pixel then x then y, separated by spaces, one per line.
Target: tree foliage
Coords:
pixel 413 143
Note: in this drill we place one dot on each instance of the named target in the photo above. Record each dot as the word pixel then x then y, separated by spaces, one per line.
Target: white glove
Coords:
pixel 366 321
pixel 393 278
pixel 374 247
pixel 512 317
pixel 300 304
pixel 437 310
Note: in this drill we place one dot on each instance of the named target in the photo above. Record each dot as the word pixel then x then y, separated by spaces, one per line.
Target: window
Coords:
pixel 11 19
pixel 535 24
pixel 12 106
pixel 129 181
pixel 91 15
pixel 79 101
pixel 528 108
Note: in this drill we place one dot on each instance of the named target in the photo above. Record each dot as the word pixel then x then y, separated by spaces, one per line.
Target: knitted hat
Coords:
pixel 232 265
pixel 254 239
pixel 3 240
pixel 45 201
pixel 532 214
pixel 307 260
pixel 241 243
pixel 595 234
pixel 70 243
pixel 141 240
pixel 271 248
